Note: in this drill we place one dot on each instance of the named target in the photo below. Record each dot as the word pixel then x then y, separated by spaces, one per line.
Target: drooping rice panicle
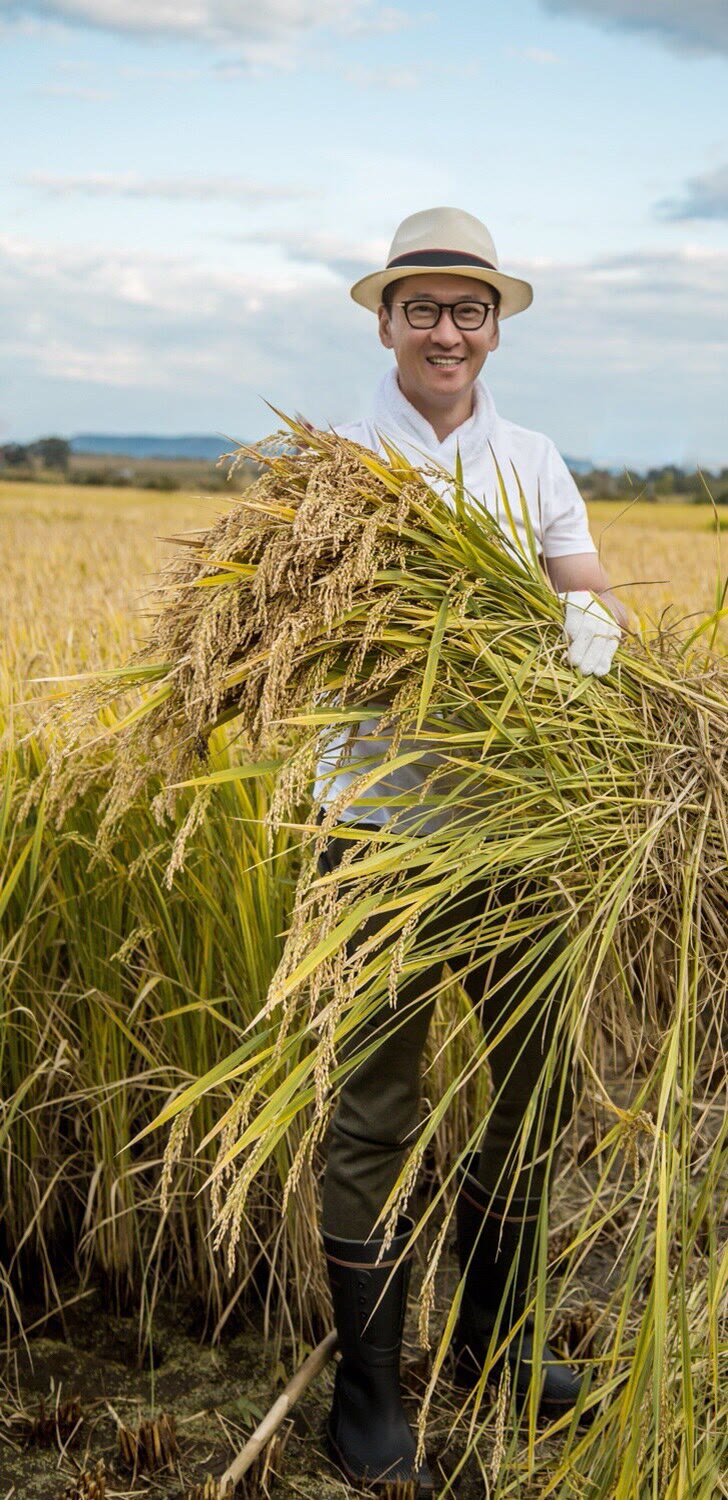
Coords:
pixel 342 588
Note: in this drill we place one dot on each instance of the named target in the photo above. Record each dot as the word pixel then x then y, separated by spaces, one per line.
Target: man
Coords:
pixel 439 302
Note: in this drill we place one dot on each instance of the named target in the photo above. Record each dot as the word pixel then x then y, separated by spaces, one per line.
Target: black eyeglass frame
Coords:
pixel 450 306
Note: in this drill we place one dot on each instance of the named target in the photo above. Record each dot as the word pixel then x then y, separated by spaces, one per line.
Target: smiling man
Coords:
pixel 434 401
pixel 439 303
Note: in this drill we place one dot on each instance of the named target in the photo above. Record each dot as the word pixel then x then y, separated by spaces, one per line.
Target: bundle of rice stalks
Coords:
pixel 58 1427
pixel 342 589
pixel 210 1490
pixel 151 1447
pixel 89 1485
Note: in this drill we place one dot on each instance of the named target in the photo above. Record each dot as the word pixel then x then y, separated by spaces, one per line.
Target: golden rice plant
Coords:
pixel 340 587
pixel 114 993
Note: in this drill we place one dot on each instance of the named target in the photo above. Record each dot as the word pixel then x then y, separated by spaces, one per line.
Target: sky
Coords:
pixel 193 185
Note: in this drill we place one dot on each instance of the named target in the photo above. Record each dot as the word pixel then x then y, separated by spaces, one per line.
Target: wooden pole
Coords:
pixel 310 1368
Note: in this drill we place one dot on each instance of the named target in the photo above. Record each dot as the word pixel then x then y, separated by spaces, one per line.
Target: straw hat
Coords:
pixel 449 240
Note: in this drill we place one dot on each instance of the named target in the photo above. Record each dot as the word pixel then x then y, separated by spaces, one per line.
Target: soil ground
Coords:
pixel 216 1396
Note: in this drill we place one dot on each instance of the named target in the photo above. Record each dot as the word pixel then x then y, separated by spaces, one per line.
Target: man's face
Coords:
pixel 440 364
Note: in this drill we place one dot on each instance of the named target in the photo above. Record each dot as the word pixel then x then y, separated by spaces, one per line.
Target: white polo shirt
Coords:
pixel 557 513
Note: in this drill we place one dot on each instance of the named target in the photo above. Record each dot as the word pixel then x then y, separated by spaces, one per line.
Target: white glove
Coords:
pixel 592 632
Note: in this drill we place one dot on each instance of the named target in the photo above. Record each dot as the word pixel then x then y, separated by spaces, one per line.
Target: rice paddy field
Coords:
pixel 77 560
pixel 118 1304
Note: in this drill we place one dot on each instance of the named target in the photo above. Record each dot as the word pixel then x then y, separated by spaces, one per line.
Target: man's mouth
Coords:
pixel 443 361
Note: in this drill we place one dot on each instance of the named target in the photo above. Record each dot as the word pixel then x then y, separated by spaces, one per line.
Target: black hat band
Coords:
pixel 439 258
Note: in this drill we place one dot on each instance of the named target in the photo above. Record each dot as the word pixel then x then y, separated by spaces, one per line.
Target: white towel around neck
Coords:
pixel 557 511
pixel 416 437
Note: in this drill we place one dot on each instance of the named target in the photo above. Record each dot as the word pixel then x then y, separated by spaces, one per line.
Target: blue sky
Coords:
pixel 192 188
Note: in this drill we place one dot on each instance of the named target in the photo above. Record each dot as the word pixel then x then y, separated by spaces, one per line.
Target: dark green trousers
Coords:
pixel 377 1113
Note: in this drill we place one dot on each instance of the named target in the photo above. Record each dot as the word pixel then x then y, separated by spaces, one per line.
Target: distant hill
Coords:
pixel 193 445
pixel 150 445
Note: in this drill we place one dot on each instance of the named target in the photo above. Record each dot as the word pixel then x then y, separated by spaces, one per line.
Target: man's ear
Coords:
pixel 496 332
pixel 385 326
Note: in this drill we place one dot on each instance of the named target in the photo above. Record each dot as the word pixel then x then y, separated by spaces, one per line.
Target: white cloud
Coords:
pixel 704 197
pixel 217 21
pixel 385 21
pixel 623 358
pixel 348 258
pixel 620 358
pixel 687 25
pixel 158 341
pixel 172 189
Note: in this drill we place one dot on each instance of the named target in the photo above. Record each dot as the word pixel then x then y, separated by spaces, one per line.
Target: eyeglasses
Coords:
pixel 466 314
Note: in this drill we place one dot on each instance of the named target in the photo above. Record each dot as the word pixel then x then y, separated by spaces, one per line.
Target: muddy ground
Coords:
pixel 216 1396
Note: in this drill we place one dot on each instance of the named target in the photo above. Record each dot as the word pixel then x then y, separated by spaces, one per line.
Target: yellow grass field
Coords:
pixel 670 557
pixel 77 562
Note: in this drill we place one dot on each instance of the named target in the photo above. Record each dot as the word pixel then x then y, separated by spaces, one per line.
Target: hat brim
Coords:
pixel 516 295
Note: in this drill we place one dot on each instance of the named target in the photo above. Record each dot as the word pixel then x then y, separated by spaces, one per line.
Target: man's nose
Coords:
pixel 445 330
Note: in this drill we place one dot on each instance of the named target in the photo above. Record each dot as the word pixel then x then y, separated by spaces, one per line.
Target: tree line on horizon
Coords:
pixel 52 458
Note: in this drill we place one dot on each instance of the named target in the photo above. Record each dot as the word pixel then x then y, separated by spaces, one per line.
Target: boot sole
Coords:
pixel 364 1481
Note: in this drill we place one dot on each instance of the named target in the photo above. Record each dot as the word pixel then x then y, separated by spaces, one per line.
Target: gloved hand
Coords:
pixel 592 632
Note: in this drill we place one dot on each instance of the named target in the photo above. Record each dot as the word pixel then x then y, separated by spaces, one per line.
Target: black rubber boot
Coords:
pixel 368 1432
pixel 488 1245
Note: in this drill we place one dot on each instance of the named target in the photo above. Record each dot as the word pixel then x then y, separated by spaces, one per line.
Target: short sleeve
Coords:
pixel 564 514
